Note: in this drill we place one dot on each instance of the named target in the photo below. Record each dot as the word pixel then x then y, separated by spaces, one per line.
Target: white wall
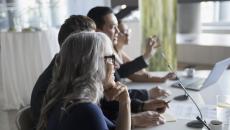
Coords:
pixel 207 49
pixel 83 6
pixel 203 55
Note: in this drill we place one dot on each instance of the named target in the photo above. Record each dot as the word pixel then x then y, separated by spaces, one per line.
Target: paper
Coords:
pixel 169 117
pixel 190 112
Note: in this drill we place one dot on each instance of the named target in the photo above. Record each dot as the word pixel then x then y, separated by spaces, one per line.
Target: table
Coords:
pixel 23 57
pixel 206 96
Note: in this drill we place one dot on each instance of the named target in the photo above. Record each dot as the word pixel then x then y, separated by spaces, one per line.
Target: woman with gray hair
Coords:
pixel 83 70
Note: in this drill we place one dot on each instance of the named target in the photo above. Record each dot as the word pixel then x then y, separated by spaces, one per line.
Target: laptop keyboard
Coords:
pixel 190 83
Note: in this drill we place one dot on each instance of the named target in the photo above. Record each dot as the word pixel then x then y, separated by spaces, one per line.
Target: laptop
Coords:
pixel 197 83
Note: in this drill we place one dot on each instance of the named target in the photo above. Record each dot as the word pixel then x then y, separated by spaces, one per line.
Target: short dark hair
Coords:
pixel 75 24
pixel 98 13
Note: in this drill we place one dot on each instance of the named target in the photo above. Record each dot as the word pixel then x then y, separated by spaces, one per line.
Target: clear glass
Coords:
pixel 223 108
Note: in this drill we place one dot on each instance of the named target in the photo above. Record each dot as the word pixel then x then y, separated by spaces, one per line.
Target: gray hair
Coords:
pixel 78 73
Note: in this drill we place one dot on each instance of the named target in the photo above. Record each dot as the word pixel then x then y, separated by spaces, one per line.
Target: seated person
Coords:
pixel 78 23
pixel 106 22
pixel 122 57
pixel 82 72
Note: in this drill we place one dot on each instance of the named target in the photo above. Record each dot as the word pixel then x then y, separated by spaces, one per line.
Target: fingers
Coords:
pixel 160 121
pixel 158 92
pixel 115 92
pixel 119 90
pixel 151 44
pixel 112 92
pixel 156 105
pixel 147 119
pixel 154 41
pixel 165 93
pixel 171 76
pixel 151 116
pixel 161 110
pixel 154 118
pixel 161 106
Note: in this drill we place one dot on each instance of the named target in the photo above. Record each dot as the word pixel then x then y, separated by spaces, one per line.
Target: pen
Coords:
pixel 167 103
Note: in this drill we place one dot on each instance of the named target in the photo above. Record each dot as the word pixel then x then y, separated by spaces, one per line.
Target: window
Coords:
pixel 215 17
pixel 40 14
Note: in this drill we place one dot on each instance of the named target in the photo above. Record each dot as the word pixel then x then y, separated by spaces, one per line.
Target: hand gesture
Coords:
pixel 152 44
pixel 170 76
pixel 147 119
pixel 118 92
pixel 155 105
pixel 158 92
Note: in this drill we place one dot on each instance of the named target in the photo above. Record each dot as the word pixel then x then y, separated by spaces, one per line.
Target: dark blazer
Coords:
pixel 110 109
pixel 131 67
pixel 39 90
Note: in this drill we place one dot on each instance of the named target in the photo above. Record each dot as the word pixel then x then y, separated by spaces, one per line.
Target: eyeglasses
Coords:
pixel 126 32
pixel 110 58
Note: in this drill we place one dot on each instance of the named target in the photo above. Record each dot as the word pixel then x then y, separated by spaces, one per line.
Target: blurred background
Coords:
pixel 201 25
pixel 193 33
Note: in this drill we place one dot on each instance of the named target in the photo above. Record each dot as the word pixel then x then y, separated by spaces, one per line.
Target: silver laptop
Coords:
pixel 197 83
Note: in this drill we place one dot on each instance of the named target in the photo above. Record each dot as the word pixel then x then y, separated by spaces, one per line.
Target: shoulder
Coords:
pixel 87 116
pixel 40 88
pixel 46 76
pixel 87 110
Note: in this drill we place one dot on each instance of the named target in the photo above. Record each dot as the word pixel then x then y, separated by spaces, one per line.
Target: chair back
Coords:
pixel 24 119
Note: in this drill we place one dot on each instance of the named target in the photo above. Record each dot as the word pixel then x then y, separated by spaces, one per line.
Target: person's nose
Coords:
pixel 117 30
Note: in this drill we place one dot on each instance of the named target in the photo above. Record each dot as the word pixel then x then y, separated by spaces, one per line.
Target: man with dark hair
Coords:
pixel 107 23
pixel 98 14
pixel 74 24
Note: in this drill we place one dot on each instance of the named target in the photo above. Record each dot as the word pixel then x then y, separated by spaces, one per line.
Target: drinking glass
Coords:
pixel 223 108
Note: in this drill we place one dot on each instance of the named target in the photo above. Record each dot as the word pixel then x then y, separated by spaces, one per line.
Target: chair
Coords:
pixel 24 119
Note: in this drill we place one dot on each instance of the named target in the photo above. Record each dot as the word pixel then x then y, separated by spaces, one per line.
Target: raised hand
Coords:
pixel 151 46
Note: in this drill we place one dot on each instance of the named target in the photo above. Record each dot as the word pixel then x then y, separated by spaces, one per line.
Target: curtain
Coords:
pixel 158 17
pixel 23 57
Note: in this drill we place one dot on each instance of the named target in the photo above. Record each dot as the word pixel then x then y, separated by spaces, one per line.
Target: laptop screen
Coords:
pixel 216 72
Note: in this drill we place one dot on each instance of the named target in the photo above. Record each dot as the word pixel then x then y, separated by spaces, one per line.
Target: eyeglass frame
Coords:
pixel 111 57
pixel 126 32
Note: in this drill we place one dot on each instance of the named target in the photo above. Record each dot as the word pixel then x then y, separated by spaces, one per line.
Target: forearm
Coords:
pixel 124 117
pixel 144 78
pixel 132 67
